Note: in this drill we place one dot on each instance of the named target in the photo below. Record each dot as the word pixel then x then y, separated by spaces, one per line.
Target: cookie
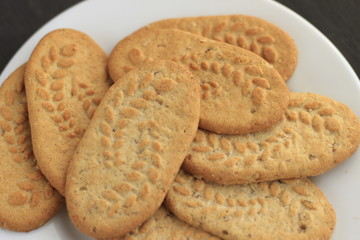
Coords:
pixel 249 32
pixel 164 225
pixel 284 209
pixel 132 149
pixel 27 199
pixel 315 135
pixel 65 79
pixel 241 92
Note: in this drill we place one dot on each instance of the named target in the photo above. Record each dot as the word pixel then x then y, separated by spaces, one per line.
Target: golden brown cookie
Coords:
pixel 164 225
pixel 249 32
pixel 65 79
pixel 132 150
pixel 284 209
pixel 315 135
pixel 27 201
pixel 241 92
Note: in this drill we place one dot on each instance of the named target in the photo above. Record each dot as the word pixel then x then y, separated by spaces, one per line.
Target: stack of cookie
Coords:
pixel 207 95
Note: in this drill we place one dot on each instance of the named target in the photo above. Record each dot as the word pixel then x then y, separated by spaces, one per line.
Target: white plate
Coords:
pixel 321 69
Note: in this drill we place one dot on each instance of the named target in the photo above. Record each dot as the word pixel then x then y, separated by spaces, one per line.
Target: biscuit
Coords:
pixel 27 200
pixel 164 225
pixel 132 149
pixel 65 79
pixel 315 135
pixel 249 32
pixel 284 209
pixel 241 92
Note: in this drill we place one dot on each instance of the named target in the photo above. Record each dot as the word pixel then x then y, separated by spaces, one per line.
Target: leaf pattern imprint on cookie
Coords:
pixel 238 204
pixel 140 179
pixel 55 78
pixel 15 126
pixel 252 38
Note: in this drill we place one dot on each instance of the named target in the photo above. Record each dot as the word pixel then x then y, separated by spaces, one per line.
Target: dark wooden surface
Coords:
pixel 338 20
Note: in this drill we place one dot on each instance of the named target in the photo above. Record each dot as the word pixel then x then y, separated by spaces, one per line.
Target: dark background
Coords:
pixel 339 20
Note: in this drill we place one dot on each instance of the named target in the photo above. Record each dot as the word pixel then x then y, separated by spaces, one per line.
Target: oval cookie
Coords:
pixel 252 33
pixel 65 80
pixel 164 225
pixel 315 135
pixel 241 92
pixel 27 199
pixel 132 149
pixel 284 209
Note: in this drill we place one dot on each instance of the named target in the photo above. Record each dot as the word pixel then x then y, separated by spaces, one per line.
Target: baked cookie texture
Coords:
pixel 249 32
pixel 315 135
pixel 27 200
pixel 65 79
pixel 283 209
pixel 241 92
pixel 132 149
pixel 165 225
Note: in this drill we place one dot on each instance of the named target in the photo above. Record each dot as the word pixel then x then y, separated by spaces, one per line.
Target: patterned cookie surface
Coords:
pixel 241 92
pixel 315 135
pixel 164 225
pixel 27 200
pixel 65 80
pixel 132 149
pixel 286 209
pixel 252 33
